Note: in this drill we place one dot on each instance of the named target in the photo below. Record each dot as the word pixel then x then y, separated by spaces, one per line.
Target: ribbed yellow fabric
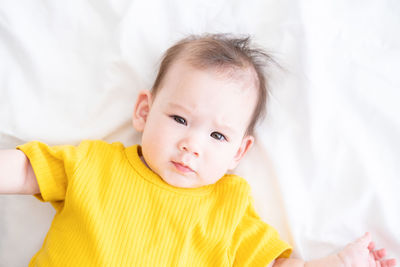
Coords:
pixel 111 210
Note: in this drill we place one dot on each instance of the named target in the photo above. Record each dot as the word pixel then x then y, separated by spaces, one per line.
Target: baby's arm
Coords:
pixel 360 253
pixel 16 173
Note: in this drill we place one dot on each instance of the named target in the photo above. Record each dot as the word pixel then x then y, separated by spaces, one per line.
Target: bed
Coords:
pixel 326 163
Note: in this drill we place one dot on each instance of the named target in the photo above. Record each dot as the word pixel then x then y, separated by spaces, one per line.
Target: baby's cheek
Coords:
pixel 219 169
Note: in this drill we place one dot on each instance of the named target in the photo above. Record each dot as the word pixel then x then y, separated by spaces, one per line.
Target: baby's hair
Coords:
pixel 224 52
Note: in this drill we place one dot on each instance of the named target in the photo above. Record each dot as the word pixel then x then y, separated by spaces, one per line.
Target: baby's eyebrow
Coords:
pixel 226 129
pixel 178 106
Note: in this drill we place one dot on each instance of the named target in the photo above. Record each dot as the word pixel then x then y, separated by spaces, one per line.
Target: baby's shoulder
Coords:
pixel 233 184
pixel 232 193
pixel 94 144
pixel 234 180
pixel 98 149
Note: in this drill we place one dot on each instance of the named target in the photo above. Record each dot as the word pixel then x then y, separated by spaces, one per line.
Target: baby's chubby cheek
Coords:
pixel 220 163
pixel 156 147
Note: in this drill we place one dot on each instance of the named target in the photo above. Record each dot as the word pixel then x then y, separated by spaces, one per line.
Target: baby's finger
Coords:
pixel 388 263
pixel 371 246
pixel 379 254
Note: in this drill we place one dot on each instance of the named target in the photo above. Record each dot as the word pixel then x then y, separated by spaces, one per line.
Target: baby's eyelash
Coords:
pixel 179 119
pixel 218 136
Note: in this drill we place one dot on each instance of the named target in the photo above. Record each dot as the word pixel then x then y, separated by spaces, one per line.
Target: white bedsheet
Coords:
pixel 326 164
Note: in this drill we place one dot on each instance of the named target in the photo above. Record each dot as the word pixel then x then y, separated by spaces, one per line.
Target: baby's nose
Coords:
pixel 189 146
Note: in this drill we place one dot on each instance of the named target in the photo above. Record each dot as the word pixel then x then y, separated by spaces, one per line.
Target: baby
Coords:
pixel 168 201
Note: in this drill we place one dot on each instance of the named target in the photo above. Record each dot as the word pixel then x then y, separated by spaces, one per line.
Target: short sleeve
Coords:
pixel 52 165
pixel 256 243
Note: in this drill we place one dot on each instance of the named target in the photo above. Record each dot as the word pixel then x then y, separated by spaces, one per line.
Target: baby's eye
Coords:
pixel 179 119
pixel 218 136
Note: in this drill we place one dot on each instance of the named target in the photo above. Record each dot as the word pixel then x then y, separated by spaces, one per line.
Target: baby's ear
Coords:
pixel 245 146
pixel 141 111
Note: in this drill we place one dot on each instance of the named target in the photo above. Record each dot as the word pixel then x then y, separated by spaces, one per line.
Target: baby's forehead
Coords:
pixel 242 81
pixel 200 90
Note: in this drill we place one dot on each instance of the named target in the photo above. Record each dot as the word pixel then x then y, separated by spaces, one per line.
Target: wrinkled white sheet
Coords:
pixel 326 164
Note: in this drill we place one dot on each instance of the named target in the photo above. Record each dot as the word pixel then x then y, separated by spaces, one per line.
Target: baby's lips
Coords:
pixel 182 167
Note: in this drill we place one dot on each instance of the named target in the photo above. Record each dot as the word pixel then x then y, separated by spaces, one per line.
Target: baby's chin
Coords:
pixel 180 181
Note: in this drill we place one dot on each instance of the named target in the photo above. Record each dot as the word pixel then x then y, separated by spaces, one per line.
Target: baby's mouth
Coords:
pixel 182 167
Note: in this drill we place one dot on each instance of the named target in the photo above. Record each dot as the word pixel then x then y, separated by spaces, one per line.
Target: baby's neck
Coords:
pixel 142 159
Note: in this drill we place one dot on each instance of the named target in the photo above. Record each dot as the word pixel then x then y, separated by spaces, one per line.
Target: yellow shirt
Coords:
pixel 111 210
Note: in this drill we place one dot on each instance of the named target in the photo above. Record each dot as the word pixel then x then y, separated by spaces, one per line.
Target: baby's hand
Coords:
pixel 362 253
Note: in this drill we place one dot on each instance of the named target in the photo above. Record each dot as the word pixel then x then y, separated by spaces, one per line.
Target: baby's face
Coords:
pixel 193 131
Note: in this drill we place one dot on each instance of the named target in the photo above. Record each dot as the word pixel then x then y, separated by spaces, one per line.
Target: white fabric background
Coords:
pixel 326 164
